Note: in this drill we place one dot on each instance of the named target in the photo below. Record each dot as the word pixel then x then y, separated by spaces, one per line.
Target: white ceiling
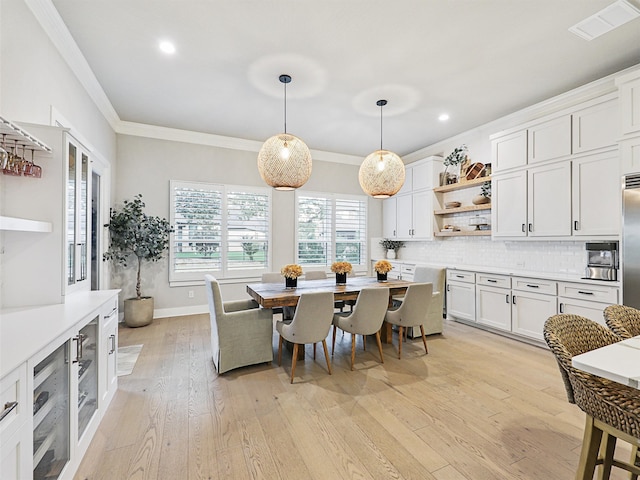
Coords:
pixel 477 60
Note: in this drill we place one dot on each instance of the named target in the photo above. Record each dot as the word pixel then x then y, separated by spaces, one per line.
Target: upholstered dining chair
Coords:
pixel 241 331
pixel 412 311
pixel 311 324
pixel 611 409
pixel 622 320
pixel 315 275
pixel 433 318
pixel 365 319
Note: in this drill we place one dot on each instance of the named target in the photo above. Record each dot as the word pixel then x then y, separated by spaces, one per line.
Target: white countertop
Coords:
pixel 619 362
pixel 563 277
pixel 26 331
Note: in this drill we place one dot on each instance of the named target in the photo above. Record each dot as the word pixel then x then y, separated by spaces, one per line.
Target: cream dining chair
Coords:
pixel 412 311
pixel 310 324
pixel 365 319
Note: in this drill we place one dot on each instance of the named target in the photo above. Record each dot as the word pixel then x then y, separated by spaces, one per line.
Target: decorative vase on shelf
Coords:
pixel 291 282
pixel 480 200
pixel 341 278
pixel 382 277
pixel 391 254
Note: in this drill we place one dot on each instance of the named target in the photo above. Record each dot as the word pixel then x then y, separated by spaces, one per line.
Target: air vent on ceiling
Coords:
pixel 605 20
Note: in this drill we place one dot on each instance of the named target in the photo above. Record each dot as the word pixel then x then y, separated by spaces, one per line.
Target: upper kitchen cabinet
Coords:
pixel 596 125
pixel 408 215
pixel 58 260
pixel 629 94
pixel 549 140
pixel 509 151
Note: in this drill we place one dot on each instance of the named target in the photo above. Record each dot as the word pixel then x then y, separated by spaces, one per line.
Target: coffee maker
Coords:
pixel 602 261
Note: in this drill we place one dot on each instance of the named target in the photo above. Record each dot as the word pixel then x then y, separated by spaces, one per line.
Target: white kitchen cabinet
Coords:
pixel 15 426
pixel 493 307
pixel 549 200
pixel 509 200
pixel 533 301
pixel 630 155
pixel 108 366
pixel 590 310
pixel 549 140
pixel 586 300
pixel 404 215
pixel 389 227
pixel 629 94
pixel 461 301
pixel 596 125
pixel 414 217
pixel 15 455
pixel 509 151
pixel 596 197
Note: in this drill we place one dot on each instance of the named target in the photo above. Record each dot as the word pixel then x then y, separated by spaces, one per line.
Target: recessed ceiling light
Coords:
pixel 616 14
pixel 167 47
pixel 443 117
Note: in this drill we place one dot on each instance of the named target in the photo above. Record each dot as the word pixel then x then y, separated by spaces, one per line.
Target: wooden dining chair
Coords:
pixel 622 320
pixel 365 319
pixel 311 324
pixel 412 311
pixel 612 409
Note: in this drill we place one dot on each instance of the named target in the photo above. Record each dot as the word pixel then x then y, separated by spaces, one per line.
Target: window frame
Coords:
pixel 177 278
pixel 334 198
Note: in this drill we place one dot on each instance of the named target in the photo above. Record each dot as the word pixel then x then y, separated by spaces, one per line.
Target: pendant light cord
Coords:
pixel 381 105
pixel 285 107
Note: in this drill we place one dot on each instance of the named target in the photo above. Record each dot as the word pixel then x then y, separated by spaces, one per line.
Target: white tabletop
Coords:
pixel 619 362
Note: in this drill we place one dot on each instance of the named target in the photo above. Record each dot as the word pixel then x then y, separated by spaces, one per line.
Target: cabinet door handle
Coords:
pixel 531 227
pixel 561 307
pixel 111 313
pixel 448 288
pixel 507 298
pixel 8 408
pixel 513 299
pixel 77 340
pixel 585 293
pixel 575 225
pixel 533 286
pixel 523 229
pixel 492 280
pixel 394 233
pixel 459 276
pixel 112 339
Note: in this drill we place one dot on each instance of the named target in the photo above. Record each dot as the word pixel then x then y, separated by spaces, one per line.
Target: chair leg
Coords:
pixel 608 447
pixel 400 341
pixel 314 351
pixel 326 355
pixel 424 339
pixel 280 351
pixel 294 359
pixel 353 349
pixel 635 460
pixel 379 346
pixel 589 453
pixel 364 342
pixel 333 343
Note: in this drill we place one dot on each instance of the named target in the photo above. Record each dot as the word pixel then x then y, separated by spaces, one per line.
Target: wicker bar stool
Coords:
pixel 623 321
pixel 611 408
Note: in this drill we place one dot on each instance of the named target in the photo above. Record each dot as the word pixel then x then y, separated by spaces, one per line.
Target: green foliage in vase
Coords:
pixel 388 244
pixel 485 190
pixel 456 157
pixel 134 233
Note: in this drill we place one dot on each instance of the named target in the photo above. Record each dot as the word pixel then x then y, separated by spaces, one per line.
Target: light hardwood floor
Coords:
pixel 478 406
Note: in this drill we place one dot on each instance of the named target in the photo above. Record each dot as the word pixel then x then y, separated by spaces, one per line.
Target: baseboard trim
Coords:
pixel 180 311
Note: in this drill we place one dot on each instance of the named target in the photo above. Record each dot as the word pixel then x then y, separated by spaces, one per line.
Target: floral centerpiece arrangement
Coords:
pixel 382 267
pixel 341 269
pixel 291 273
pixel 391 246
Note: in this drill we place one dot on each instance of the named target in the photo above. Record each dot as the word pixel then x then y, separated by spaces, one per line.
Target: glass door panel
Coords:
pixel 83 216
pixel 87 375
pixel 71 215
pixel 51 444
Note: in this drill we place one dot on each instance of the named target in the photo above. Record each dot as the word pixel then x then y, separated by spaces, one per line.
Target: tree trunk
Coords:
pixel 138 292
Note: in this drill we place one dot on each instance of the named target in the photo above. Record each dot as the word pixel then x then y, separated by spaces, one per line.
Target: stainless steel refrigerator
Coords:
pixel 630 257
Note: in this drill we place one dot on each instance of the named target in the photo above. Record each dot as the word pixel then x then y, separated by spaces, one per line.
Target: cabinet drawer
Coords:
pixel 537 285
pixel 13 400
pixel 461 276
pixel 503 281
pixel 594 293
pixel 408 270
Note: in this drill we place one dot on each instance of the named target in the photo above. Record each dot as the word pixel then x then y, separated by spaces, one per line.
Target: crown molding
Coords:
pixel 49 18
pixel 212 140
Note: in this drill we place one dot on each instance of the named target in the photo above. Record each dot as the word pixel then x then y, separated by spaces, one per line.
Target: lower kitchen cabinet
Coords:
pixel 15 455
pixel 461 295
pixel 493 301
pixel 15 427
pixel 530 311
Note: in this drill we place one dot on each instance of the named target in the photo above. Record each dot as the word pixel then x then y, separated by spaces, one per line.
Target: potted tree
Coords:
pixel 134 233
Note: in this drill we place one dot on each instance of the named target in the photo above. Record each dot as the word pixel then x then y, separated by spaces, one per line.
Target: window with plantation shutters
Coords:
pixel 219 229
pixel 330 228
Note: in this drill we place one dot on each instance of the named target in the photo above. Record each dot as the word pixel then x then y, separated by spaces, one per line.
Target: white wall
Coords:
pixel 147 165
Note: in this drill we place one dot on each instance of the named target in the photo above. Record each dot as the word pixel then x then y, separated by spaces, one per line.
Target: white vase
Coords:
pixel 391 254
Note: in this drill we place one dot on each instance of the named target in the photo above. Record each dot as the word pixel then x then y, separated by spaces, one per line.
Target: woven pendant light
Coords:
pixel 284 161
pixel 382 172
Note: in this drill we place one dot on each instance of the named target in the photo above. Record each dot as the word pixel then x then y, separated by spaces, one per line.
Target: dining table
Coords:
pixel 619 362
pixel 271 295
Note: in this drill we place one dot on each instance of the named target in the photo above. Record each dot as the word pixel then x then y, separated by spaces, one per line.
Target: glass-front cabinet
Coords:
pixel 87 375
pixel 51 425
pixel 78 223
